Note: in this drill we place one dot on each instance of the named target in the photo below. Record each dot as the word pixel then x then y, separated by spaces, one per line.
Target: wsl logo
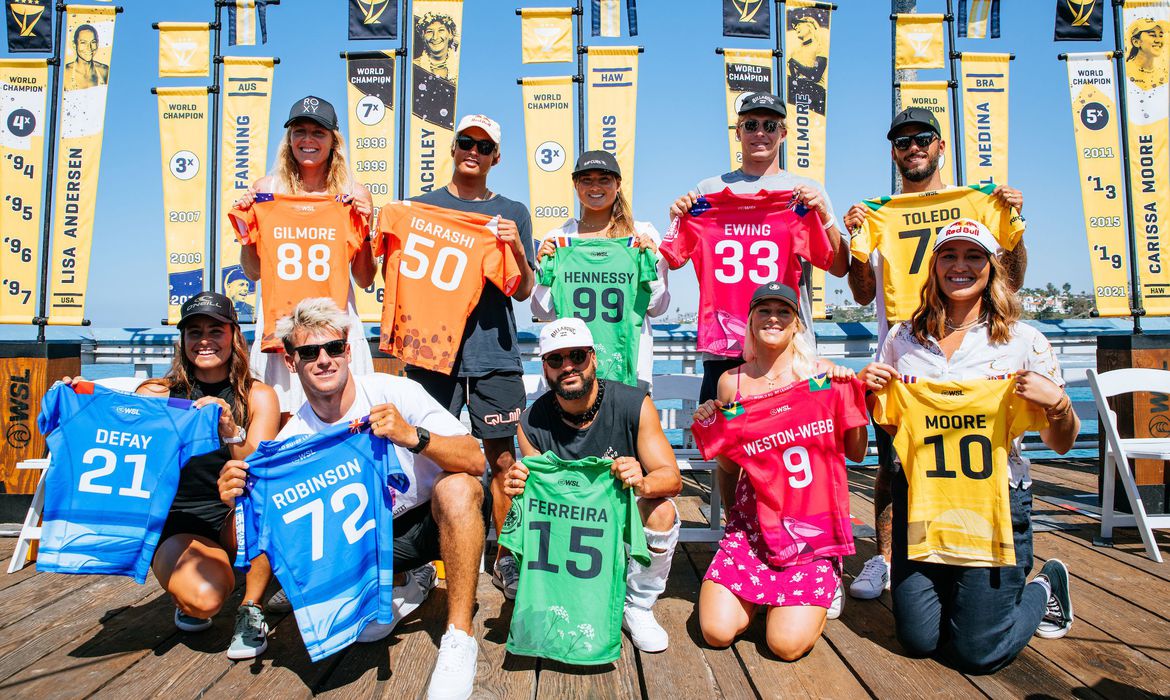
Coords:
pixel 1081 10
pixel 372 10
pixel 184 52
pixel 26 15
pixel 747 9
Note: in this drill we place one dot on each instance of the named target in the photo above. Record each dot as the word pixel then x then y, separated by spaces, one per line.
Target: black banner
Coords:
pixel 373 19
pixel 30 26
pixel 1079 20
pixel 749 18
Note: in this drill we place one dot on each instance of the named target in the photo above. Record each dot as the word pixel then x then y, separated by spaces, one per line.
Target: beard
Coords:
pixel 920 173
pixel 588 379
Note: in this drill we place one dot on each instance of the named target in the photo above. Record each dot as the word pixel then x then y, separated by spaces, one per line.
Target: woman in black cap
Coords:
pixel 192 561
pixel 311 159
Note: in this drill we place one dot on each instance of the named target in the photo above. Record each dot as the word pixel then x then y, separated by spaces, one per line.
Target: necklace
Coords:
pixel 580 419
pixel 772 381
pixel 964 326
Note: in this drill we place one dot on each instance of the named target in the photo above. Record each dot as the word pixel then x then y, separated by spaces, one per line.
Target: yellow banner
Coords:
pixel 182 127
pixel 933 95
pixel 434 79
pixel 1146 26
pixel 184 49
pixel 548 135
pixel 1094 116
pixel 371 146
pixel 744 71
pixel 807 41
pixel 247 98
pixel 546 35
pixel 985 117
pixel 84 78
pixel 918 42
pixel 23 90
pixel 613 106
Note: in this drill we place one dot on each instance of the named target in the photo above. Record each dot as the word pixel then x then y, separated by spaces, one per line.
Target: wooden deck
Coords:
pixel 74 636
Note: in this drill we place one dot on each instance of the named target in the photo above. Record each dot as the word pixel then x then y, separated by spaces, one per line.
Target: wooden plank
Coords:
pixel 1098 660
pixel 9 580
pixel 616 680
pixel 284 670
pixel 413 648
pixel 819 674
pixel 34 592
pixel 500 675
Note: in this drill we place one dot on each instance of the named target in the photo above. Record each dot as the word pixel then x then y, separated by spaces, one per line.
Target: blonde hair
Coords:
pixel 312 314
pixel 804 355
pixel 338 180
pixel 621 214
pixel 1001 308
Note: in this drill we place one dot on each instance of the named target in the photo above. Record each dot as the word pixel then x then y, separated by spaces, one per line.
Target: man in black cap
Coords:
pixel 917 149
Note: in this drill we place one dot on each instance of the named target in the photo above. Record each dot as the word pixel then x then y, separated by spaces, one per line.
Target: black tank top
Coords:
pixel 199 477
pixel 613 432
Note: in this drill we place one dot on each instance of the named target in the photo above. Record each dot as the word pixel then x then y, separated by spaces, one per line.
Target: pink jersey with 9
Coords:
pixel 791 443
pixel 738 242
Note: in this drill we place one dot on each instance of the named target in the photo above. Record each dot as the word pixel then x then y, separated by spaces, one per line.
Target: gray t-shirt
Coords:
pixel 740 183
pixel 489 339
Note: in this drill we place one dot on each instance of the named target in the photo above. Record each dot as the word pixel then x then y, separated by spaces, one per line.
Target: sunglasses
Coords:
pixel 577 356
pixel 309 353
pixel 921 140
pixel 752 125
pixel 486 147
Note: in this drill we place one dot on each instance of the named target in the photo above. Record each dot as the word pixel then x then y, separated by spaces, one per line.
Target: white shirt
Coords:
pixel 416 407
pixel 977 358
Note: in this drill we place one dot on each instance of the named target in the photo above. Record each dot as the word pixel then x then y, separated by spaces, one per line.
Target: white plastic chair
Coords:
pixel 1118 452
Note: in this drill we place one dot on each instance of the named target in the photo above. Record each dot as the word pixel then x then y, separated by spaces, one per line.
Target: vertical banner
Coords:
pixel 546 35
pixel 1145 26
pixel 606 17
pixel 434 76
pixel 1079 20
pixel 247 97
pixel 1095 126
pixel 744 71
pixel 613 106
pixel 747 18
pixel 935 96
pixel 184 50
pixel 373 19
pixel 806 26
pixel 548 136
pixel 371 145
pixel 918 42
pixel 182 127
pixel 985 117
pixel 242 22
pixel 30 26
pixel 23 92
pixel 980 20
pixel 89 43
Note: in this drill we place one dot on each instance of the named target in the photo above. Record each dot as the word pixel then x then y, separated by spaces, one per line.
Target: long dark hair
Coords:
pixel 180 378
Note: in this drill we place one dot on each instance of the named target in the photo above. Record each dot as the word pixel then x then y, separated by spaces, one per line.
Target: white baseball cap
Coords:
pixel 564 333
pixel 968 230
pixel 484 122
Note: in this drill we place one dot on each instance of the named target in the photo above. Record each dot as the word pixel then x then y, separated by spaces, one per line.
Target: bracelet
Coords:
pixel 1060 410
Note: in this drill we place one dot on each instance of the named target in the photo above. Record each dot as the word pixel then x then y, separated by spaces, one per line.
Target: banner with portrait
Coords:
pixel 184 49
pixel 85 75
pixel 1145 27
pixel 370 98
pixel 434 79
pixel 182 127
pixel 918 41
pixel 985 117
pixel 744 71
pixel 1095 126
pixel 24 87
pixel 30 26
pixel 548 137
pixel 247 99
pixel 612 73
pixel 935 96
pixel 546 35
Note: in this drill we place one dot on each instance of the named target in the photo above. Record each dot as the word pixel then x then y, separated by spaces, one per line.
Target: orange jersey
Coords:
pixel 305 243
pixel 437 262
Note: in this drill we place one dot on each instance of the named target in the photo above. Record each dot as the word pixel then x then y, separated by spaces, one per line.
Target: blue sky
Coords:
pixel 680 136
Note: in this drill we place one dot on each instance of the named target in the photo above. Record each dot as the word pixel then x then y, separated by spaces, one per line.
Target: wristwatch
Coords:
pixel 239 437
pixel 424 439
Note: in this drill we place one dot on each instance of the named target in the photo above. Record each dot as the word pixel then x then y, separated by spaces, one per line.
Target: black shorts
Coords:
pixel 885 449
pixel 203 520
pixel 712 371
pixel 494 401
pixel 416 538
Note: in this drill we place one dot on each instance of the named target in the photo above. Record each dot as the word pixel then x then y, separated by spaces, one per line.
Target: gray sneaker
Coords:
pixel 407 598
pixel 506 576
pixel 190 623
pixel 250 638
pixel 279 603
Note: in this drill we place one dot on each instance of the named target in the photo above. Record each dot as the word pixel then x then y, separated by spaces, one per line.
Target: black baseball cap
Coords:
pixel 211 304
pixel 597 160
pixel 914 115
pixel 761 100
pixel 775 290
pixel 314 108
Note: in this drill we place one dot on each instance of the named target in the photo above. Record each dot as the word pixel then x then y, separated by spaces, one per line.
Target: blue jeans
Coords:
pixel 976 618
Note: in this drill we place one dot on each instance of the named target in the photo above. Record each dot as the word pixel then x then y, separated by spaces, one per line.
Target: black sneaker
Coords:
pixel 1058 613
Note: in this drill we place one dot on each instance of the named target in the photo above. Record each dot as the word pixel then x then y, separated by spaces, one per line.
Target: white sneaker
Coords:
pixel 407 598
pixel 454 674
pixel 873 579
pixel 838 603
pixel 645 632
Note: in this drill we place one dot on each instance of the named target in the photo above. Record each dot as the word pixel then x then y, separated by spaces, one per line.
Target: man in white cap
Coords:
pixel 583 416
pixel 488 376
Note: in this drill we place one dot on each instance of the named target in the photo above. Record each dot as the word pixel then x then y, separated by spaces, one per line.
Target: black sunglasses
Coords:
pixel 486 147
pixel 751 125
pixel 921 140
pixel 309 353
pixel 577 356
